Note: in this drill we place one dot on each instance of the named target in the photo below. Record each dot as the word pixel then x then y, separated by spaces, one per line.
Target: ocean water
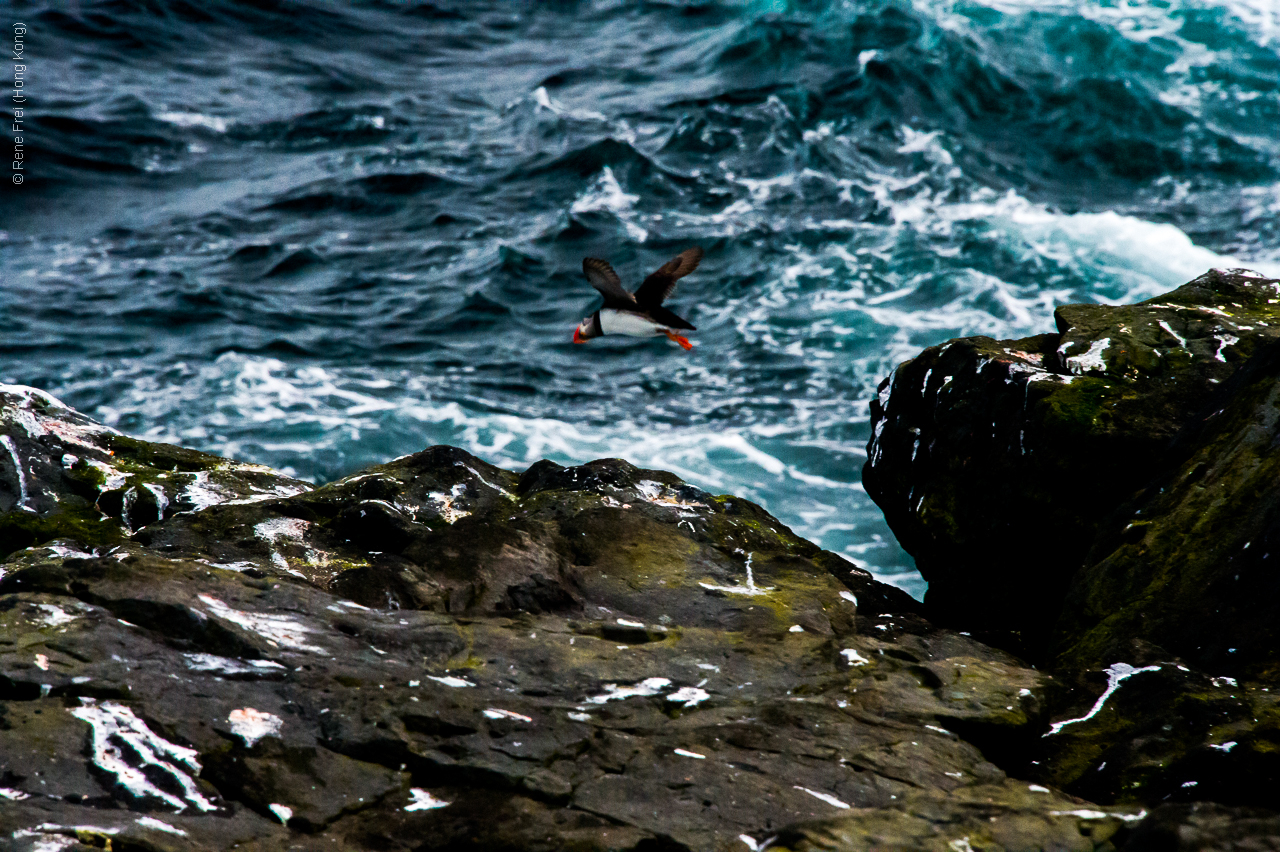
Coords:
pixel 320 235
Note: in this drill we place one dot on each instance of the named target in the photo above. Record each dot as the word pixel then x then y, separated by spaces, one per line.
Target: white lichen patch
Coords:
pixel 1090 360
pixel 123 746
pixel 54 615
pixel 736 590
pixel 853 657
pixel 449 512
pixel 230 566
pixel 886 393
pixel 495 713
pixel 28 414
pixel 356 606
pixel 690 696
pixel 1117 673
pixel 27 393
pixel 228 666
pixel 203 491
pixel 158 825
pixel 272 493
pixel 504 492
pixel 277 530
pixel 1223 342
pixel 1034 358
pixel 280 630
pixel 252 725
pixel 112 477
pixel 613 692
pixel 1086 813
pixel 63 552
pixel 54 838
pixel 424 801
pixel 382 477
pixel 19 472
pixel 656 493
pixel 750 589
pixel 1046 376
pixel 829 799
pixel 162 499
pixel 1182 341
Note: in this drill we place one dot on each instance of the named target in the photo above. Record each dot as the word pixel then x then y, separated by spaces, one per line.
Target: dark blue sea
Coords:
pixel 321 235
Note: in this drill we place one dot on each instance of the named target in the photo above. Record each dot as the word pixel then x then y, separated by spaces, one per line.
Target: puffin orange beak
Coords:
pixel 577 336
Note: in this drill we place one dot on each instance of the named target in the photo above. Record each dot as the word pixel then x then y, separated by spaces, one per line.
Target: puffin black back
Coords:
pixel 638 314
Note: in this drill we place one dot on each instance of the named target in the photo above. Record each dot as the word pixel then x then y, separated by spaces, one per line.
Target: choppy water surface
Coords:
pixel 321 235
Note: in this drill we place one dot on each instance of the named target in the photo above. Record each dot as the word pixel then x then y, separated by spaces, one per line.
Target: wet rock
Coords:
pixel 436 653
pixel 998 464
pixel 1164 732
pixel 1105 501
pixel 1007 816
pixel 64 476
pixel 1186 564
pixel 1205 827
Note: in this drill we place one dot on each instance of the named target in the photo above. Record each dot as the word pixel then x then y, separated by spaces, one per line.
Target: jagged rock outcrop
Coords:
pixel 1104 500
pixel 998 464
pixel 439 654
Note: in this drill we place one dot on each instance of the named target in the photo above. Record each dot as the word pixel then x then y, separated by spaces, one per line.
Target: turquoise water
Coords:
pixel 321 235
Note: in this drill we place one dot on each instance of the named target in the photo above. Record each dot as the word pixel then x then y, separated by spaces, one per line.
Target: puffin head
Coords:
pixel 585 330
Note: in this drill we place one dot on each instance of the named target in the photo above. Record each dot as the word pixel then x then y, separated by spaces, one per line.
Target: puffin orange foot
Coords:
pixel 683 341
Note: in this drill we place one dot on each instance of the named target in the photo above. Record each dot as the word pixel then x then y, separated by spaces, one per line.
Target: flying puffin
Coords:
pixel 638 314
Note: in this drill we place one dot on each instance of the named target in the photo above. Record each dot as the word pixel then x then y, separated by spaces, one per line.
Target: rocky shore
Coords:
pixel 435 653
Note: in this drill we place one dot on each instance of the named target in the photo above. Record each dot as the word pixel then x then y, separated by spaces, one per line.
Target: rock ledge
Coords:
pixel 439 654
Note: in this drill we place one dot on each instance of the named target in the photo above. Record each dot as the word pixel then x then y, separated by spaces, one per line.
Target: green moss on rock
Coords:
pixel 83 526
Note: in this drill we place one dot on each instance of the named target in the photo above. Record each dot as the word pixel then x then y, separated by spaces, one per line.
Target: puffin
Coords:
pixel 638 314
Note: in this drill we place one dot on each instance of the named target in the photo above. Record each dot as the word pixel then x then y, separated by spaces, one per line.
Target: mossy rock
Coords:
pixel 63 476
pixel 436 653
pixel 1104 500
pixel 999 464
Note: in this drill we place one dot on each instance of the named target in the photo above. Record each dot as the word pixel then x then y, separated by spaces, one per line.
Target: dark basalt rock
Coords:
pixel 1206 827
pixel 439 654
pixel 998 464
pixel 1106 501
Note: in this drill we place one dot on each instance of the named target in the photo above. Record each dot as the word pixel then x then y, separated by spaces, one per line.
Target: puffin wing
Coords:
pixel 658 286
pixel 604 279
pixel 662 316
